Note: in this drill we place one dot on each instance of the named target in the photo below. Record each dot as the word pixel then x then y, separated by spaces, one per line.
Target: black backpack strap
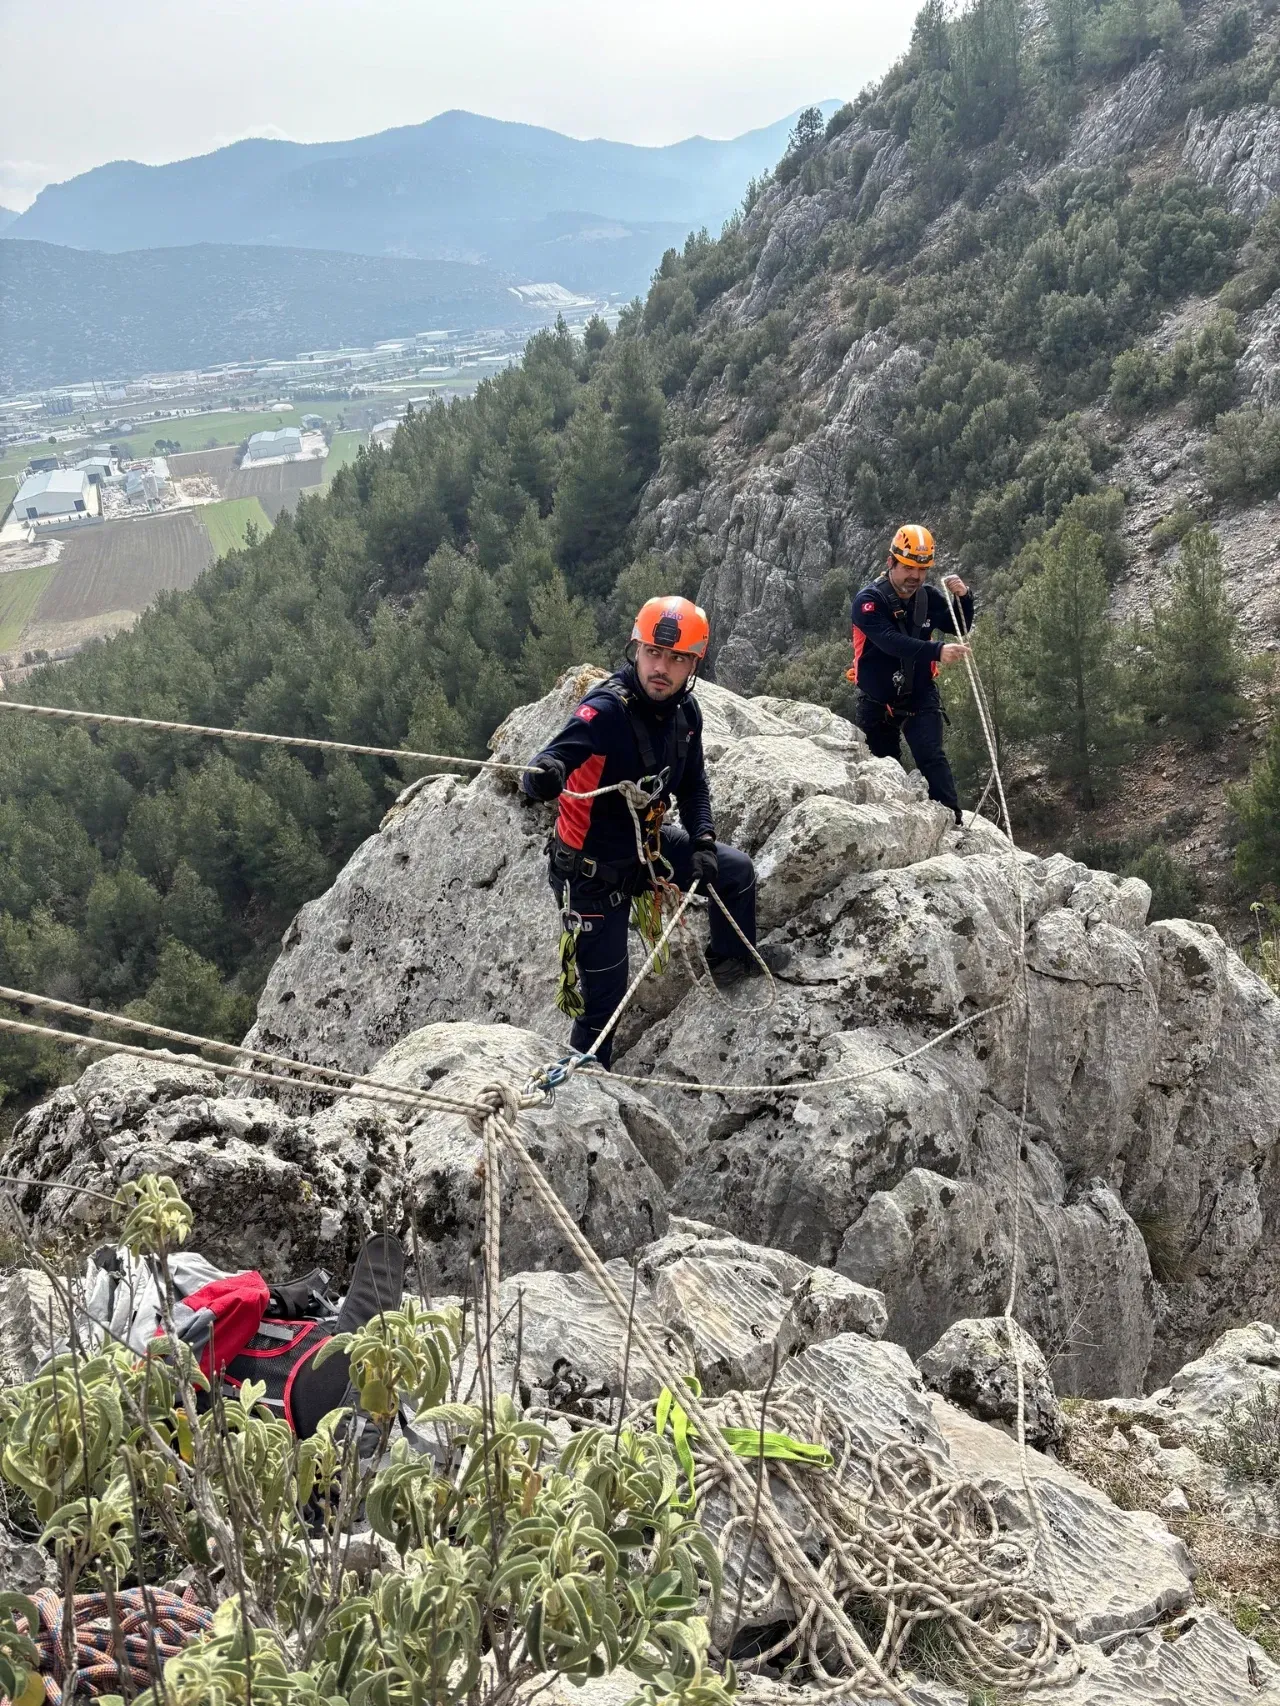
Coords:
pixel 905 675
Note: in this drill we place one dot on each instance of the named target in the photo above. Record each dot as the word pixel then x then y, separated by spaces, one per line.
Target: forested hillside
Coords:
pixel 1019 292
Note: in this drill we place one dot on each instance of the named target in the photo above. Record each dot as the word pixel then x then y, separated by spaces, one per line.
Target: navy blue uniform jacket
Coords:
pixel 598 746
pixel 884 638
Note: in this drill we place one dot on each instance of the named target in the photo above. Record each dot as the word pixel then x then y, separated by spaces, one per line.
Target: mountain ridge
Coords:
pixel 411 190
pixel 68 313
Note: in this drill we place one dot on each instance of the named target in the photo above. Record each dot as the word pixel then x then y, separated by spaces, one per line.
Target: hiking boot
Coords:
pixel 728 969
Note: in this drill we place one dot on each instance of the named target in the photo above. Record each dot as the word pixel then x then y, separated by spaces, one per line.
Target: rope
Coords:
pixel 369 1090
pixel 918 1547
pixel 403 754
pixel 986 722
pixel 802 1086
pixel 149 1620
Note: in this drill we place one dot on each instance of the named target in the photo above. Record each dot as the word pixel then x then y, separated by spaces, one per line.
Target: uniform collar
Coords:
pixel 651 707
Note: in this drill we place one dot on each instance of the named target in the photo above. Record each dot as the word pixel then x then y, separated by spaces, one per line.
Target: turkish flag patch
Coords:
pixel 869 605
pixel 585 713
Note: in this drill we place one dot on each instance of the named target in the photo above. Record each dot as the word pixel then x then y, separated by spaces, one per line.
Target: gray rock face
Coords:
pixel 1155 1084
pixel 1238 151
pixel 974 1366
pixel 32 1320
pixel 722 1308
pixel 283 1192
pixel 1130 118
pixel 265 1192
pixel 582 1144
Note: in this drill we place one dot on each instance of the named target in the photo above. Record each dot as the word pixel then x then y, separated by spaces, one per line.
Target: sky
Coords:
pixel 155 81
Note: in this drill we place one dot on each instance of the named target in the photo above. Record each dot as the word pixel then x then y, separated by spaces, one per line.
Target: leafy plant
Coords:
pixel 505 1555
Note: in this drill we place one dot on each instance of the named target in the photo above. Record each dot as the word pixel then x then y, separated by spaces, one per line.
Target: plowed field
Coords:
pixel 122 565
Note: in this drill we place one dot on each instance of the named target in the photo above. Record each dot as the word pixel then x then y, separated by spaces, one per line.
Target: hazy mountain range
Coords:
pixel 485 203
pixel 459 187
pixel 70 314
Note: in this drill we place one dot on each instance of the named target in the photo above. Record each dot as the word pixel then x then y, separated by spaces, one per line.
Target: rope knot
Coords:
pixel 494 1101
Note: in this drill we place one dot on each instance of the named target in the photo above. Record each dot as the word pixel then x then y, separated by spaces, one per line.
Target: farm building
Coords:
pixel 59 491
pixel 147 482
pixel 96 468
pixel 384 432
pixel 266 446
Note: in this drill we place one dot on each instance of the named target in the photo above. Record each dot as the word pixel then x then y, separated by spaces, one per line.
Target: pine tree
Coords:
pixel 594 500
pixel 1066 656
pixel 1195 652
pixel 1257 809
pixel 562 632
pixel 993 654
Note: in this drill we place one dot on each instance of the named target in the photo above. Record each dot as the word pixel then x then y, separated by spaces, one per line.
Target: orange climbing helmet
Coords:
pixel 913 546
pixel 675 624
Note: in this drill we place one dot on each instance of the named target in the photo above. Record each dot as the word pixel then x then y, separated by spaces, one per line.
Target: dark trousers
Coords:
pixel 923 730
pixel 603 959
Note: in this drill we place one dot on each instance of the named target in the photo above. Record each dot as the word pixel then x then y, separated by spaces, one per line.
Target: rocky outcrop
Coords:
pixel 283 1192
pixel 979 1366
pixel 776 538
pixel 1239 152
pixel 1154 1091
pixel 1130 118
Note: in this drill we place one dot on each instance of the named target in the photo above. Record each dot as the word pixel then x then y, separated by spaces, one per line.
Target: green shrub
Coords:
pixel 1173 528
pixel 1247 1441
pixel 574 1560
pixel 1242 457
pixel 1173 884
pixel 1257 810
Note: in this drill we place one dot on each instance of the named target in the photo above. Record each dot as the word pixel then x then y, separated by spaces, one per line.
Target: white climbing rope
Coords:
pixel 986 722
pixel 158 725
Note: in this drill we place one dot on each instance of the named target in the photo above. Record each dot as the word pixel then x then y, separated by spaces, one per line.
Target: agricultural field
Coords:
pixel 8 491
pixel 214 464
pixel 277 487
pixel 227 522
pixel 344 449
pixel 20 592
pixel 104 577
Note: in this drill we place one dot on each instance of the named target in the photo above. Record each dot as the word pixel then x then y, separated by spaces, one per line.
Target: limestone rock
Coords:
pixel 1197 1660
pixel 720 1308
pixel 581 1143
pixel 973 1366
pixel 263 1193
pixel 826 1304
pixel 1134 115
pixel 1239 151
pixel 32 1322
pixel 24 1566
pixel 1238 1368
pixel 1110 1570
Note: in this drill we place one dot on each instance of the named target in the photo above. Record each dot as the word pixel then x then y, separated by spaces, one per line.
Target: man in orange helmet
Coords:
pixel 896 659
pixel 642 725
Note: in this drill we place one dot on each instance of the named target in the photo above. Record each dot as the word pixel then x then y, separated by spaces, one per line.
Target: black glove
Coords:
pixel 706 863
pixel 545 782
